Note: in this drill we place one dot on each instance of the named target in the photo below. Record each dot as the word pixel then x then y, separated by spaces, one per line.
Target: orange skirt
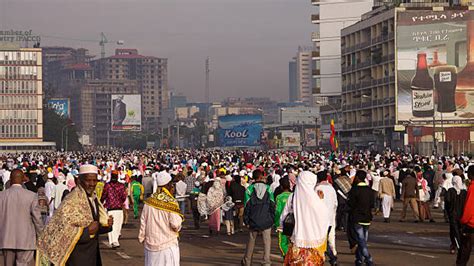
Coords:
pixel 304 256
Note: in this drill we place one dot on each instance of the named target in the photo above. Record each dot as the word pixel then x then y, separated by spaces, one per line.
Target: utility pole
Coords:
pixel 206 94
pixel 316 131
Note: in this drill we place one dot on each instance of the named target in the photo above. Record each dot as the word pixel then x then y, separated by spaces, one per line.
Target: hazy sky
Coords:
pixel 249 41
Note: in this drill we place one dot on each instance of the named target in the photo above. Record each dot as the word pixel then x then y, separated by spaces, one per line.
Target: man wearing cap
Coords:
pixel 160 223
pixel 49 190
pixel 71 236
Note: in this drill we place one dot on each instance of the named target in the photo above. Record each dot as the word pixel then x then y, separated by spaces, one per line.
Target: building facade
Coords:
pixel 368 78
pixel 151 75
pixel 21 100
pixel 303 75
pixel 329 18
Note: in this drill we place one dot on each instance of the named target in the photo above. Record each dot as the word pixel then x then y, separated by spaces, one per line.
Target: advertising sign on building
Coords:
pixel 290 139
pixel 126 112
pixel 435 66
pixel 310 137
pixel 60 106
pixel 239 130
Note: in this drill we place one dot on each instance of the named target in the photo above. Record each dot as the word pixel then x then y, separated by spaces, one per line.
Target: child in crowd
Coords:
pixel 228 209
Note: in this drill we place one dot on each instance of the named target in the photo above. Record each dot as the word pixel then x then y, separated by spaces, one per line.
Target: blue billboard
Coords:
pixel 60 106
pixel 239 130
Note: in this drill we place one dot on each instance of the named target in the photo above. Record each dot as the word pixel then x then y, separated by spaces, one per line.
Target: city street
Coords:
pixel 390 244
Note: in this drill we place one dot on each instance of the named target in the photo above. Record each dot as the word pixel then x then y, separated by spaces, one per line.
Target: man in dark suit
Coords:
pixel 20 219
pixel 119 111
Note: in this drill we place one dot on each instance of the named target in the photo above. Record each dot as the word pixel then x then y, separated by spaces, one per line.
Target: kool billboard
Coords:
pixel 435 66
pixel 239 130
pixel 126 112
pixel 60 106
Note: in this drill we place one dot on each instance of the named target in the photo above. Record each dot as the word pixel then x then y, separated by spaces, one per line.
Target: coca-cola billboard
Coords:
pixel 435 66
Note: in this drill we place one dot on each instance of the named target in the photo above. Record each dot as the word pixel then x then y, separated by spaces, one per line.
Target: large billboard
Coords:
pixel 240 130
pixel 126 112
pixel 60 106
pixel 435 66
pixel 290 139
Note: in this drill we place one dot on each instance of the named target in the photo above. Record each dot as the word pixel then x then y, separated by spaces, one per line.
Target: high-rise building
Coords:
pixel 369 68
pixel 303 75
pixel 151 74
pixel 293 90
pixel 329 18
pixel 21 100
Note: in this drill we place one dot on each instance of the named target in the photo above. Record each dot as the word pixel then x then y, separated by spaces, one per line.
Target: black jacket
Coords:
pixel 237 192
pixel 361 201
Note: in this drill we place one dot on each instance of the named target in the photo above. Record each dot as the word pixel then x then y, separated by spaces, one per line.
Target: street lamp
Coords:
pixel 62 135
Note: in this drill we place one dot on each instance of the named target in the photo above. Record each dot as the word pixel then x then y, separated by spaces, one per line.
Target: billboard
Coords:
pixel 126 112
pixel 60 106
pixel 310 137
pixel 290 138
pixel 435 66
pixel 239 130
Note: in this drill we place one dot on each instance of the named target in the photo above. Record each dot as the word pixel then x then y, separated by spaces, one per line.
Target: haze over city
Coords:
pixel 249 42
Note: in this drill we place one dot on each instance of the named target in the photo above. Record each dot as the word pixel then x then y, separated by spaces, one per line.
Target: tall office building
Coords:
pixel 369 90
pixel 303 75
pixel 21 100
pixel 151 74
pixel 292 86
pixel 329 18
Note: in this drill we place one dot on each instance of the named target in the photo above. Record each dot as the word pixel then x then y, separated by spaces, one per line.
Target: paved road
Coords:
pixel 390 244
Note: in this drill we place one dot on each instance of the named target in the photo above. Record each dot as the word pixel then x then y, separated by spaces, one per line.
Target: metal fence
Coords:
pixel 449 148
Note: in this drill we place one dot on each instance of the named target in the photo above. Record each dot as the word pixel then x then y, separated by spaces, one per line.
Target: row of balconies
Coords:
pixel 370 124
pixel 367 44
pixel 368 63
pixel 368 104
pixel 368 84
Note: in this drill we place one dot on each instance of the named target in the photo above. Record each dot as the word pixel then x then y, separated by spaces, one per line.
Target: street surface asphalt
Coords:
pixel 390 244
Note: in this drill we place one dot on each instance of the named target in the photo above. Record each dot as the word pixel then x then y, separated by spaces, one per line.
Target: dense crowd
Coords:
pixel 73 197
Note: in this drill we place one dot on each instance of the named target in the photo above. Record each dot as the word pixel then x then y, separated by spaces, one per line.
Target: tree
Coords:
pixel 53 125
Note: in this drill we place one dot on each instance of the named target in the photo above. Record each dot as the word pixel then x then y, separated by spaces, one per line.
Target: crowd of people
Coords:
pixel 55 205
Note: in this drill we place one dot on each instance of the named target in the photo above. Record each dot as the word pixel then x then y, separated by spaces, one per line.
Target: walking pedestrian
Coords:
pixel 387 194
pixel 330 200
pixel 113 198
pixel 281 200
pixel 455 199
pixel 181 188
pixel 72 235
pixel 309 239
pixel 259 215
pixel 159 225
pixel 467 223
pixel 136 194
pixel 228 208
pixel 360 203
pixel 237 192
pixel 409 195
pixel 20 220
pixel 193 197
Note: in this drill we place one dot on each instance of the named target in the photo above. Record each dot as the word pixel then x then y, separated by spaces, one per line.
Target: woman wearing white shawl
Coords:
pixel 455 199
pixel 308 242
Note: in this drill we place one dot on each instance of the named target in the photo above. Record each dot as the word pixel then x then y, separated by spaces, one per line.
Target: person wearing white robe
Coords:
pixel 386 192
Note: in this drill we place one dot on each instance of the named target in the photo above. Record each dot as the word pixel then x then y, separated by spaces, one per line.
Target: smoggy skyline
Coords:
pixel 249 41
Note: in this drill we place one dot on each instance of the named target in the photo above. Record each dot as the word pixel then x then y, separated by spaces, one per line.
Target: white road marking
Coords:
pixel 411 233
pixel 233 244
pixel 123 255
pixel 205 236
pixel 106 243
pixel 419 254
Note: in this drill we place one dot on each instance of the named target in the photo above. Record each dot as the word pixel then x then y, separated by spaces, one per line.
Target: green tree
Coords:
pixel 53 125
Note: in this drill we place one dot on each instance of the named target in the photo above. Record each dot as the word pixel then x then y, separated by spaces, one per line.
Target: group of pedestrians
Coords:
pixel 305 197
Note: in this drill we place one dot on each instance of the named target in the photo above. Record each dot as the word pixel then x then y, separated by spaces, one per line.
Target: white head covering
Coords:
pixel 311 215
pixel 88 169
pixel 458 185
pixel 163 178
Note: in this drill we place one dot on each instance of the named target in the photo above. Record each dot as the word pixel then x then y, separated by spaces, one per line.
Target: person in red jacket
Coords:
pixel 467 222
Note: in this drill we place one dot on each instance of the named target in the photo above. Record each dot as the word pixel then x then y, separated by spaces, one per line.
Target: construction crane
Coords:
pixel 102 42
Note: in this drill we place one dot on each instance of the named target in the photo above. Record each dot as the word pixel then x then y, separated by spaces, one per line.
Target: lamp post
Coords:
pixel 62 135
